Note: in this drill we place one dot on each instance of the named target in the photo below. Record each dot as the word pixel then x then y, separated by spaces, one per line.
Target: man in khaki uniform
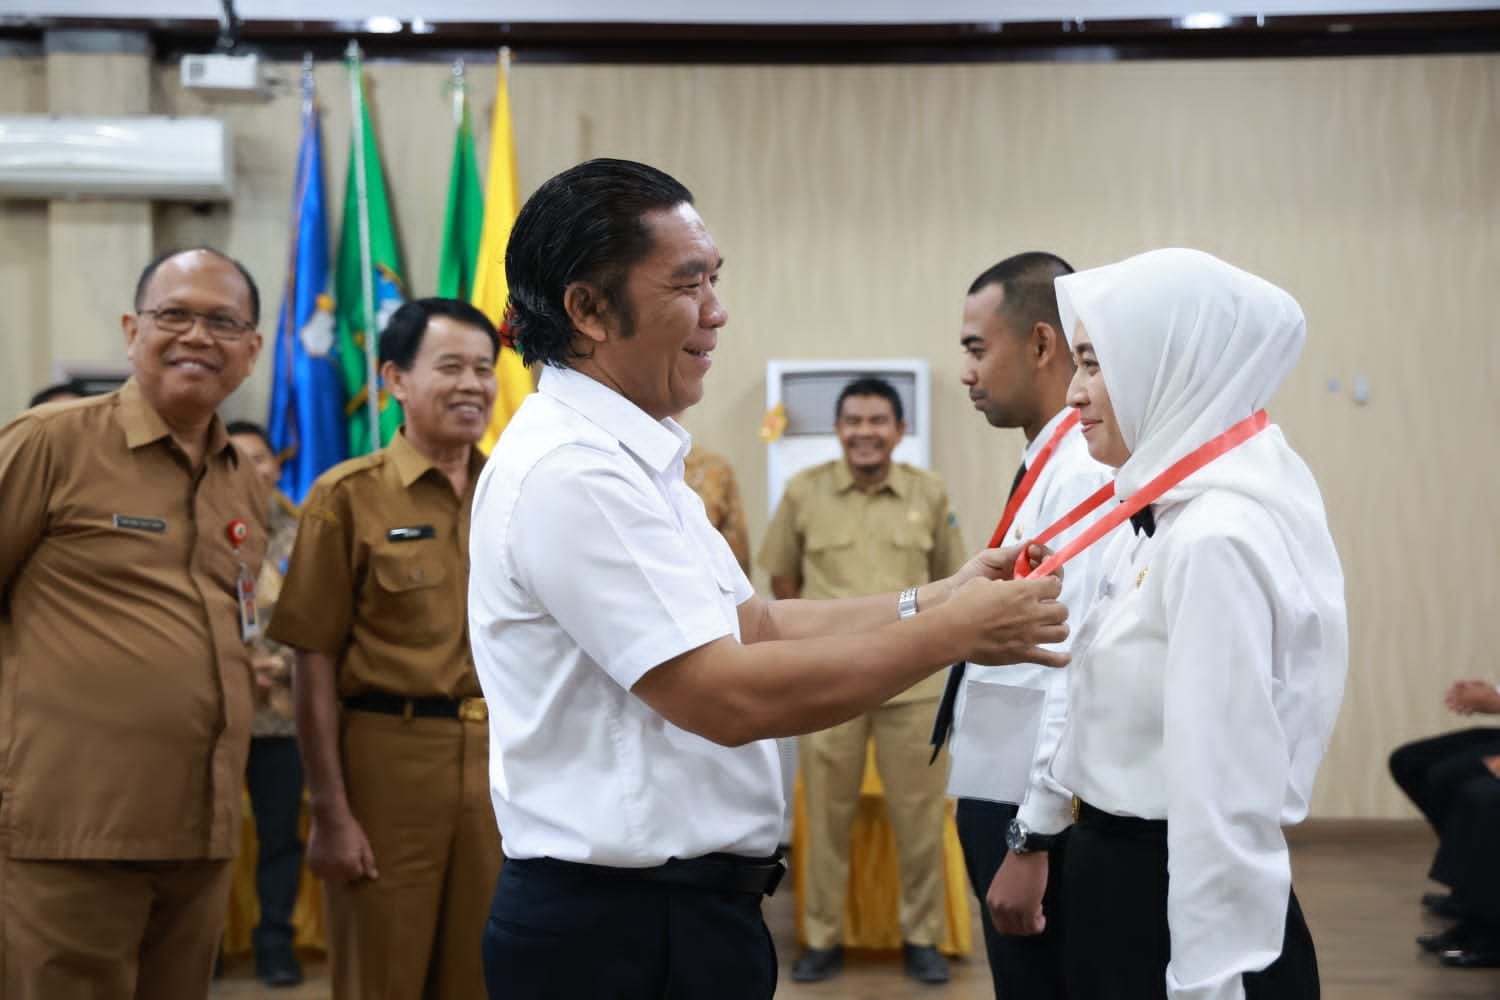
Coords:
pixel 855 526
pixel 125 680
pixel 403 834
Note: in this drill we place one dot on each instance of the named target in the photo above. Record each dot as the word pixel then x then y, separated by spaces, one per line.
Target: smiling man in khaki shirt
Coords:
pixel 863 524
pixel 375 601
pixel 125 681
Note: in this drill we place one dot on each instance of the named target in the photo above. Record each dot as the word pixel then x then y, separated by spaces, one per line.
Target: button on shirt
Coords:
pixel 1219 732
pixel 125 683
pixel 593 563
pixel 1068 478
pixel 379 573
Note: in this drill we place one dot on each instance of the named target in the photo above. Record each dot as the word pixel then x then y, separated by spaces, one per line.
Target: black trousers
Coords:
pixel 1117 942
pixel 273 776
pixel 1021 968
pixel 561 934
pixel 1468 858
pixel 1431 771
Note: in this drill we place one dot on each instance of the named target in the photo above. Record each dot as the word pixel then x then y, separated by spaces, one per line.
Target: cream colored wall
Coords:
pixel 854 205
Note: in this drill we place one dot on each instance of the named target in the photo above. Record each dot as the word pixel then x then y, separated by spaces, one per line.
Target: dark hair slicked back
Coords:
pixel 585 224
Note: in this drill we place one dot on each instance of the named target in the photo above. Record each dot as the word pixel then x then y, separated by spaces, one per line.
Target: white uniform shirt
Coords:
pixel 1068 478
pixel 592 563
pixel 1226 721
pixel 1207 675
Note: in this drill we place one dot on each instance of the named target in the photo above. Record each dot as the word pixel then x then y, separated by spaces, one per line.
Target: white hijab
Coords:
pixel 1188 346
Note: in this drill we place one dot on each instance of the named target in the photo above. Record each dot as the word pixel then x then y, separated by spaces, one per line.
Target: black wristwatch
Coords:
pixel 1019 838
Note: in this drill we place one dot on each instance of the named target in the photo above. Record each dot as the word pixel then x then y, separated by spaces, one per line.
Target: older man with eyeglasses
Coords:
pixel 132 535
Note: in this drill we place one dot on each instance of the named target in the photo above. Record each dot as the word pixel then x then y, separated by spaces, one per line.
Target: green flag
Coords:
pixel 368 280
pixel 464 218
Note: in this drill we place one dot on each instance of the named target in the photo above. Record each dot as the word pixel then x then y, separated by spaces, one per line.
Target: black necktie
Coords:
pixel 1144 520
pixel 942 723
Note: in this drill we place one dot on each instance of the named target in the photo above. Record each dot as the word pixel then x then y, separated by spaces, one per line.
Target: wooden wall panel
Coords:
pixel 854 205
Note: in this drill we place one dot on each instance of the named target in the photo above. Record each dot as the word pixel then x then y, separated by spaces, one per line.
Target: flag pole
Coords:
pixel 367 264
pixel 460 95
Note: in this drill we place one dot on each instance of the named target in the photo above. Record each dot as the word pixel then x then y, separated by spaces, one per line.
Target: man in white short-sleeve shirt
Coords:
pixel 634 679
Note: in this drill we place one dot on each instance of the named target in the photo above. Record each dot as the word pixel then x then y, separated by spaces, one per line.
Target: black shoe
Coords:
pixel 1441 904
pixel 924 963
pixel 1482 954
pixel 278 968
pixel 818 964
pixel 1455 938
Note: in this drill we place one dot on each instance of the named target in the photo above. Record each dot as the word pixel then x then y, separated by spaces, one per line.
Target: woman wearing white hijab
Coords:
pixel 1207 675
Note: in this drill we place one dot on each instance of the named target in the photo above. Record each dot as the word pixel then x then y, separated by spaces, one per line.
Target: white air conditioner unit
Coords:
pixel 145 157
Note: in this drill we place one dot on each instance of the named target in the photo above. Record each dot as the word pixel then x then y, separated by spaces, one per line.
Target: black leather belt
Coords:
pixel 717 872
pixel 469 709
pixel 1134 827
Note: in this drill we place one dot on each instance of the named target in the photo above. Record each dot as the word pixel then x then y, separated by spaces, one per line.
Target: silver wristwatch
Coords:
pixel 1020 839
pixel 907 605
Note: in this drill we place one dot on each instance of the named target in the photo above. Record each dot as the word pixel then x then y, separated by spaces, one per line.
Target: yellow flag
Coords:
pixel 502 200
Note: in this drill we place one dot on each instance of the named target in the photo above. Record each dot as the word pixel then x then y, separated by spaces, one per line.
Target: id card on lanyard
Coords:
pixel 244 583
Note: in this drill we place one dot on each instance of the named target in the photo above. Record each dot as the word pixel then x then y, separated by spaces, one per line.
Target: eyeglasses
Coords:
pixel 221 326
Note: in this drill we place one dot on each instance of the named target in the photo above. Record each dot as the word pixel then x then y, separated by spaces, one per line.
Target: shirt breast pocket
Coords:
pixel 829 552
pixel 408 587
pixel 913 539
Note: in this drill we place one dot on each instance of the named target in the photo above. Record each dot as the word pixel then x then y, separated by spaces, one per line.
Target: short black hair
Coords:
pixel 1029 295
pixel 402 337
pixel 72 387
pixel 162 258
pixel 250 427
pixel 869 385
pixel 585 224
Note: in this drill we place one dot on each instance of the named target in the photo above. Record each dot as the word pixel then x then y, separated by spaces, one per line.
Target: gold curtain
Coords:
pixel 244 906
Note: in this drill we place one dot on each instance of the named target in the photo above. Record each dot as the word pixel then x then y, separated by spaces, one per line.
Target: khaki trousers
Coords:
pixel 110 930
pixel 420 788
pixel 832 763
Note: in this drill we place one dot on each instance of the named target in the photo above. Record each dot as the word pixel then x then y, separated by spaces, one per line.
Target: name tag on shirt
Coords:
pixel 154 525
pixel 411 534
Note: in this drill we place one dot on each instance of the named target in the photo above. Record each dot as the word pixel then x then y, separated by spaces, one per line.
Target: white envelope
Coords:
pixel 995 743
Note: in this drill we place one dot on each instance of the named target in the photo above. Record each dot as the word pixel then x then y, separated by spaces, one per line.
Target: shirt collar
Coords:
pixel 412 465
pixel 1035 444
pixel 897 480
pixel 143 425
pixel 657 443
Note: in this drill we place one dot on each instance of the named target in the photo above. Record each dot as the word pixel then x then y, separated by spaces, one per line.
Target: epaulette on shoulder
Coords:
pixel 349 468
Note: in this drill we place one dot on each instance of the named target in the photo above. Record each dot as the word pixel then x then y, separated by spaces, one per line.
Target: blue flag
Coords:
pixel 307 426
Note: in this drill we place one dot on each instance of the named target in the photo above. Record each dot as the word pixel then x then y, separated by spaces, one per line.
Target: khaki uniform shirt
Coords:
pixel 840 541
pixel 379 577
pixel 710 476
pixel 125 685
